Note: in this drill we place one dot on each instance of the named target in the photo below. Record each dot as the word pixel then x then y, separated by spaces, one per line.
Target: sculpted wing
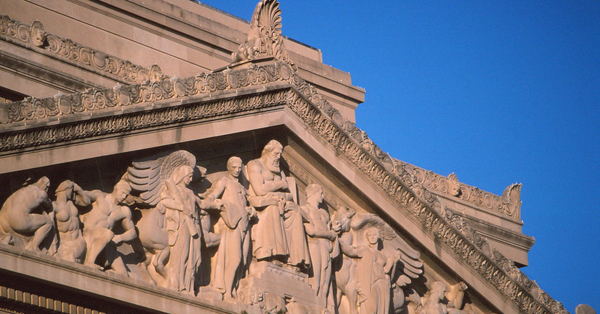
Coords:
pixel 363 221
pixel 148 176
pixel 410 265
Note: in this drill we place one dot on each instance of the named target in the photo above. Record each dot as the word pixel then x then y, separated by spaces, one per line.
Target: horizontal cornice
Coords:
pixel 96 113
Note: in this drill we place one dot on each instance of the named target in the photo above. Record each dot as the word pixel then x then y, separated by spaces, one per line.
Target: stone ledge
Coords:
pixel 116 288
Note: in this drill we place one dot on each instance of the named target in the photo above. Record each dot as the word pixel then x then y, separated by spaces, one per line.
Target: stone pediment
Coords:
pixel 205 107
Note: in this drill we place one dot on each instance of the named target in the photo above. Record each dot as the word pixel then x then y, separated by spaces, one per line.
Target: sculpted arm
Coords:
pixel 314 232
pixel 128 225
pixel 93 195
pixel 211 200
pixel 351 251
pixel 171 198
pixel 45 202
pixel 81 198
pixel 391 263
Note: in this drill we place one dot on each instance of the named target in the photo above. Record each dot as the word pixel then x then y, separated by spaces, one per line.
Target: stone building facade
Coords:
pixel 165 157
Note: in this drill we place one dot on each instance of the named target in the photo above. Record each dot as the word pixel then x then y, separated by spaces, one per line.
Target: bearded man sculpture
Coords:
pixel 279 233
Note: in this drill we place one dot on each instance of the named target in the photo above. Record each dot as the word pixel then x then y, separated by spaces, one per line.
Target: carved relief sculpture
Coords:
pixel 279 232
pixel 170 230
pixel 372 269
pixel 264 37
pixel 108 210
pixel 439 302
pixel 26 218
pixel 71 245
pixel 183 227
pixel 229 196
pixel 322 243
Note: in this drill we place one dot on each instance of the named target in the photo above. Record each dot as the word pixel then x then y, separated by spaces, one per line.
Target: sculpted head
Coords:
pixel 342 218
pixel 316 191
pixel 121 191
pixel 38 35
pixel 271 154
pixel 234 166
pixel 372 235
pixel 43 183
pixel 438 290
pixel 183 174
pixel 65 186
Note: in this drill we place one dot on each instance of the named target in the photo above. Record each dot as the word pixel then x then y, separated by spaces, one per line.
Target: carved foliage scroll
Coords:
pixel 75 53
pixel 394 178
pixel 32 109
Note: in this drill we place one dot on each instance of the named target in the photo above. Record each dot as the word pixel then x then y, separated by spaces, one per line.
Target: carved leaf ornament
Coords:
pixel 392 176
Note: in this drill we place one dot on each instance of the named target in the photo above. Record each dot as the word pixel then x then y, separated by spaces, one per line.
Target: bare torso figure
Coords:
pixel 28 213
pixel 71 242
pixel 107 211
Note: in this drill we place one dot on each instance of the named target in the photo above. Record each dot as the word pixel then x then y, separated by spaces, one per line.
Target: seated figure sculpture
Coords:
pixel 279 233
pixel 27 214
pixel 108 209
pixel 228 195
pixel 71 243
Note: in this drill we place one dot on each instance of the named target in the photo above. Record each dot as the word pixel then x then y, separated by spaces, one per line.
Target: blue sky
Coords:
pixel 497 92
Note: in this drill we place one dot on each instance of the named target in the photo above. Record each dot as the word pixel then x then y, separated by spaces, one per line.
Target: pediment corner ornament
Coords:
pixel 264 39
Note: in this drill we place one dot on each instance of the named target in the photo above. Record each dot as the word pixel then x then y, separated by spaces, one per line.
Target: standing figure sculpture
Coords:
pixel 108 210
pixel 183 227
pixel 322 244
pixel 373 274
pixel 27 216
pixel 229 196
pixel 279 232
pixel 170 229
pixel 375 263
pixel 71 242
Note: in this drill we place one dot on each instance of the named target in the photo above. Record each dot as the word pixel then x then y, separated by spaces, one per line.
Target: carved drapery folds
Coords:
pixel 391 175
pixel 351 143
pixel 173 219
pixel 409 186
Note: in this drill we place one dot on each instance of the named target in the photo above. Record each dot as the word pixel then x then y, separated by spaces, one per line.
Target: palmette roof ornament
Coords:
pixel 265 42
pixel 264 38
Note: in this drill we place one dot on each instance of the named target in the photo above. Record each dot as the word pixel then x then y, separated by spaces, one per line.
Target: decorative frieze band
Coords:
pixel 504 205
pixel 411 195
pixel 34 35
pixel 400 184
pixel 34 110
pixel 138 120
